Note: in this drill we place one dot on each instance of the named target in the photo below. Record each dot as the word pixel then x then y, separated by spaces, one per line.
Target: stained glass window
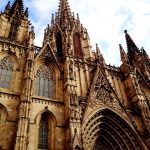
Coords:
pixel 6 68
pixel 44 82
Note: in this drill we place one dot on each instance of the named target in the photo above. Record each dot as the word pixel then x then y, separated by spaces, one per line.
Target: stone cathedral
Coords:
pixel 63 96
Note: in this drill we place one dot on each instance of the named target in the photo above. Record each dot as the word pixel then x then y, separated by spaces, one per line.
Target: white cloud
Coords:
pixel 105 20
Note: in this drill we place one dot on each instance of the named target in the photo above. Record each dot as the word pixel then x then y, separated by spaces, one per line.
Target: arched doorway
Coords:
pixel 106 130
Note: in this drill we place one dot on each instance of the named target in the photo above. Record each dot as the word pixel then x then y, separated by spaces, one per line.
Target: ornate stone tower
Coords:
pixel 63 96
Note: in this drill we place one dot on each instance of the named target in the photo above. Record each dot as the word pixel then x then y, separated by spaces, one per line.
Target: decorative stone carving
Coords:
pixel 71 75
pixel 47 53
pixel 103 94
pixel 74 111
pixel 73 99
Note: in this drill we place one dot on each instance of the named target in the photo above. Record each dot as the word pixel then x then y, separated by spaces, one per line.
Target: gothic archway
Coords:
pixel 106 130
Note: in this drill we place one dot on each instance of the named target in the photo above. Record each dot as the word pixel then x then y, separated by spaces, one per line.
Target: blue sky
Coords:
pixel 105 21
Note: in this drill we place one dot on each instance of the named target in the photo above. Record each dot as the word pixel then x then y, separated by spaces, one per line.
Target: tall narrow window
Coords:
pixel 77 45
pixel 59 43
pixel 44 82
pixel 6 68
pixel 43 133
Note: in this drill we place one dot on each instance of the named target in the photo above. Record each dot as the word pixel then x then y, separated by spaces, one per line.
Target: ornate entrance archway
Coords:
pixel 106 130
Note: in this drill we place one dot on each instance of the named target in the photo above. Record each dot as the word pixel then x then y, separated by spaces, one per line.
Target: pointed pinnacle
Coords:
pixel 52 20
pixel 78 17
pixel 132 48
pixel 18 4
pixel 26 13
pixel 144 52
pixel 7 8
pixel 63 10
pixel 98 50
pixel 124 57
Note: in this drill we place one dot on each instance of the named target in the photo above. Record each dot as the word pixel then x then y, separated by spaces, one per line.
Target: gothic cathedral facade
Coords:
pixel 63 96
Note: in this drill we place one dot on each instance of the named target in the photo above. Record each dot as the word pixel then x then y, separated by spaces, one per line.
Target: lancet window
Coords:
pixel 77 45
pixel 6 69
pixel 43 133
pixel 44 82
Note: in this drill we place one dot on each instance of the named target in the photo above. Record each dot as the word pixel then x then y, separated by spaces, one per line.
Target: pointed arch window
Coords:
pixel 44 82
pixel 77 45
pixel 46 134
pixel 43 133
pixel 6 69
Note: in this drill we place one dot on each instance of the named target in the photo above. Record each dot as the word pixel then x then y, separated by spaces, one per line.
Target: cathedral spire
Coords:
pixel 64 13
pixel 132 48
pixel 17 6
